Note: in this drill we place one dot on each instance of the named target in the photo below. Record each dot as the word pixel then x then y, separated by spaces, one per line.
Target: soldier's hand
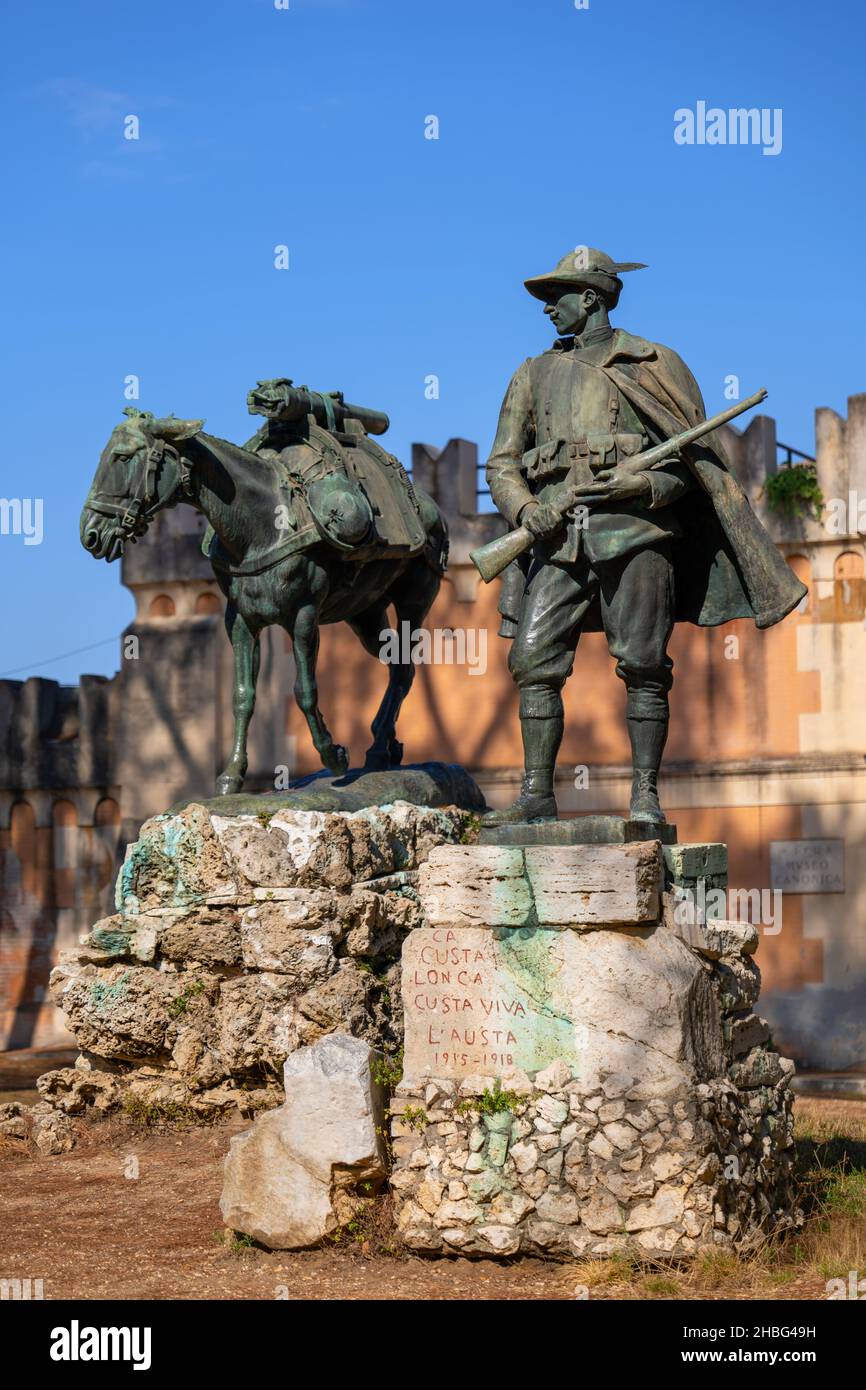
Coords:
pixel 614 485
pixel 541 519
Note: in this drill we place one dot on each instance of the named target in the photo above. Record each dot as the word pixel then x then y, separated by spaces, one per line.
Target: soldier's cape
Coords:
pixel 725 563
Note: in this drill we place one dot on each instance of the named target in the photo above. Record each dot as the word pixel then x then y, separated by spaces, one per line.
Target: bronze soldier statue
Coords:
pixel 615 548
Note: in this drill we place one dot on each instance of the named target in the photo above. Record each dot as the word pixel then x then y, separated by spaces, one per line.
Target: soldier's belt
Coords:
pixel 558 456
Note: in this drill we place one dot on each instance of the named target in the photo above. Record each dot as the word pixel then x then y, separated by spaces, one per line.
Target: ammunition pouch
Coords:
pixel 591 452
pixel 548 460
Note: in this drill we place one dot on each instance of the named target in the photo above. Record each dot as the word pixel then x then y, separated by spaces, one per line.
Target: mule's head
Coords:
pixel 140 471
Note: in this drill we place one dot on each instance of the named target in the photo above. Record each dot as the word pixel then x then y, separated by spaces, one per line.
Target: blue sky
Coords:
pixel 305 127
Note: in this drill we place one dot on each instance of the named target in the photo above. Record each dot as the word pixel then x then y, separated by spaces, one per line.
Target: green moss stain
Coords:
pixel 545 1033
pixel 161 856
pixel 108 939
pixel 125 899
pixel 103 996
pixel 513 899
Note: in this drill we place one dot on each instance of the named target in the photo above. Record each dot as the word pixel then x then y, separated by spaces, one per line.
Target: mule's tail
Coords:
pixel 436 531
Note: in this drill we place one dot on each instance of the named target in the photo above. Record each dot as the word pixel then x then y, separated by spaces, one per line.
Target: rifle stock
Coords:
pixel 491 559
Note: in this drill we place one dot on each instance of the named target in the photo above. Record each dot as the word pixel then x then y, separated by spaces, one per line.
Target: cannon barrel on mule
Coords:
pixel 283 402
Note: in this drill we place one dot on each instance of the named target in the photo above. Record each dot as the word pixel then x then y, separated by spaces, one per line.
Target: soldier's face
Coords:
pixel 568 312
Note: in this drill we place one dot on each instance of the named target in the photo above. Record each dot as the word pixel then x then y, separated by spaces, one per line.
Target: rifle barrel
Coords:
pixel 650 457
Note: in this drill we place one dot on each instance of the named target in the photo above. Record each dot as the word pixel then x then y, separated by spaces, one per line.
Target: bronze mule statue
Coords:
pixel 310 522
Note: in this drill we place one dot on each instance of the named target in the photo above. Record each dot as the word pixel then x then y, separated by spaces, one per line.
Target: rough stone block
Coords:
pixel 541 886
pixel 579 830
pixel 121 1011
pixel 595 885
pixel 293 1177
pixel 745 1032
pixel 685 862
pixel 712 939
pixel 285 938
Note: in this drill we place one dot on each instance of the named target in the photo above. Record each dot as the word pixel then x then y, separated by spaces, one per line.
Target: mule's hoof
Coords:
pixel 395 752
pixel 377 760
pixel 228 786
pixel 337 760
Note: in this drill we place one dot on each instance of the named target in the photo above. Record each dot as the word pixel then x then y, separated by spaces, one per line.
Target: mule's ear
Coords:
pixel 128 437
pixel 173 429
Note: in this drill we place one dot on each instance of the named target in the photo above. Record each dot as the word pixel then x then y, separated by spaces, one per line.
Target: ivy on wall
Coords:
pixel 794 491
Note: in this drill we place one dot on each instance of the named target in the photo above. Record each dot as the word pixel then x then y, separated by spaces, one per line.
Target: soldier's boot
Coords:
pixel 648 737
pixel 541 724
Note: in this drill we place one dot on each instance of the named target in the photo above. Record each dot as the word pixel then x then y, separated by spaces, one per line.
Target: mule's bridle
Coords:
pixel 134 514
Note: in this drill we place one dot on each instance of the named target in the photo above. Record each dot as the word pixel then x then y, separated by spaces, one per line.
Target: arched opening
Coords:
pixel 850 587
pixel 849 565
pixel 161 607
pixel 207 604
pixel 107 812
pixel 106 843
pixel 65 850
pixel 22 838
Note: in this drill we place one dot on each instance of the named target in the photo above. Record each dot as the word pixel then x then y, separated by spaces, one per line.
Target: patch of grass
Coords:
pixel 387 1071
pixel 845 1194
pixel 178 1006
pixel 661 1285
pixel 370 1229
pixel 716 1269
pixel 494 1102
pixel 414 1116
pixel 621 1268
pixel 166 1114
pixel 236 1243
pixel 469 830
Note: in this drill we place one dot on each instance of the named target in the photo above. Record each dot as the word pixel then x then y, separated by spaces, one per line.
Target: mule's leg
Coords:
pixel 412 595
pixel 245 645
pixel 304 633
pixel 383 752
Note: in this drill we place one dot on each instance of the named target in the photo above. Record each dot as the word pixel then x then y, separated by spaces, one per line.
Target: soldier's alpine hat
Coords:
pixel 584 267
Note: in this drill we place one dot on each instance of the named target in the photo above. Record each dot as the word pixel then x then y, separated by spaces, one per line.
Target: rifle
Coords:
pixel 491 559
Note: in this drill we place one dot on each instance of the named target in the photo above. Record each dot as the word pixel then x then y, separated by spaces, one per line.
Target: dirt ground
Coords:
pixel 90 1231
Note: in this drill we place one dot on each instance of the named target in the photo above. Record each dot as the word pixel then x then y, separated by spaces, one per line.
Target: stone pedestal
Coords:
pixel 239 938
pixel 581 830
pixel 584 1070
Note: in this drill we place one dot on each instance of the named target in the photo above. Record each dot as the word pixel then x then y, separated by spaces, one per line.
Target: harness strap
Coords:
pixel 134 513
pixel 299 541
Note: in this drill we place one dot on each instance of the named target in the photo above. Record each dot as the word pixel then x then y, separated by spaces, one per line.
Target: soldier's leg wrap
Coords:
pixel 540 662
pixel 638 621
pixel 647 721
pixel 541 725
